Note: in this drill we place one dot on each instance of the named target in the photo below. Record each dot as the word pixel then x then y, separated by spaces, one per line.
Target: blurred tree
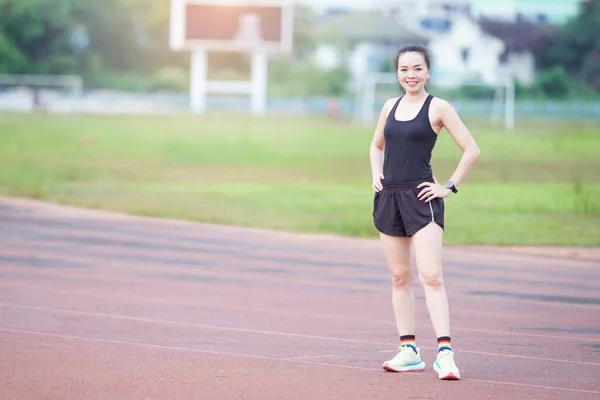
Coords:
pixel 88 37
pixel 119 43
pixel 129 35
pixel 298 74
pixel 304 37
pixel 576 46
pixel 553 82
pixel 149 29
pixel 37 37
pixel 335 81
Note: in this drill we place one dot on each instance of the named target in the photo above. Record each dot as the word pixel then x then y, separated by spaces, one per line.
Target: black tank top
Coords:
pixel 408 146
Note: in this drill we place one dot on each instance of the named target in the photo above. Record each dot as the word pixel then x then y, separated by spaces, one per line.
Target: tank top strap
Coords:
pixel 424 112
pixel 393 110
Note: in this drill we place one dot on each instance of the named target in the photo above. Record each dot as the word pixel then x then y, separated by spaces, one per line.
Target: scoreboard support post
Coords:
pixel 201 86
pixel 259 81
pixel 198 81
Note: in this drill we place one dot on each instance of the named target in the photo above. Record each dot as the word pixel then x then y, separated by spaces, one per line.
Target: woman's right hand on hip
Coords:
pixel 377 185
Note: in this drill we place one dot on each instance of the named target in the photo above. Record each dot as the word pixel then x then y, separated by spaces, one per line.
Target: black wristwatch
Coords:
pixel 450 185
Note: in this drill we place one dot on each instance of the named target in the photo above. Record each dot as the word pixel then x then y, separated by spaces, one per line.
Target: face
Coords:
pixel 412 72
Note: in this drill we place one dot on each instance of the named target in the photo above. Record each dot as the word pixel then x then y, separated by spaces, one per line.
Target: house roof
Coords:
pixel 518 36
pixel 368 25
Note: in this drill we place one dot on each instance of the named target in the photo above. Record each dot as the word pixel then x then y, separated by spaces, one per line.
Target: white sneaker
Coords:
pixel 406 360
pixel 445 366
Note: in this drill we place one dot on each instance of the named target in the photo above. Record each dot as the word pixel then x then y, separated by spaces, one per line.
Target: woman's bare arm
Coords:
pixel 377 146
pixel 450 120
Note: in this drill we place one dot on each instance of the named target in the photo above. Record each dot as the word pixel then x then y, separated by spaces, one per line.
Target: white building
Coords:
pixel 463 48
pixel 467 52
pixel 476 49
pixel 363 40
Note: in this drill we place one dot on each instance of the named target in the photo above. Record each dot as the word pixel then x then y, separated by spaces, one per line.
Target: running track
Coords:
pixel 95 305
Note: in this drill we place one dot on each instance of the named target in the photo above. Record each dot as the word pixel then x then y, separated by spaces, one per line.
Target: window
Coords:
pixel 465 54
pixel 503 57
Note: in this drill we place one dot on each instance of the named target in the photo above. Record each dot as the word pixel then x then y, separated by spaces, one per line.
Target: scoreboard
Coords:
pixel 229 25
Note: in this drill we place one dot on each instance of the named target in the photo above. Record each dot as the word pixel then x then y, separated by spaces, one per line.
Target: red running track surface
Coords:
pixel 96 305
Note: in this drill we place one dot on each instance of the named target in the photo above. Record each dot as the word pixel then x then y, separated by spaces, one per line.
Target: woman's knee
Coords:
pixel 433 280
pixel 401 277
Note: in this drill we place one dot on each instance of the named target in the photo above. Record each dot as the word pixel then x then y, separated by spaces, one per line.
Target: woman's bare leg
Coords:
pixel 397 253
pixel 428 254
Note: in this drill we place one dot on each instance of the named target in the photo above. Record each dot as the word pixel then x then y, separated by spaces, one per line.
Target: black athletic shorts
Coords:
pixel 397 211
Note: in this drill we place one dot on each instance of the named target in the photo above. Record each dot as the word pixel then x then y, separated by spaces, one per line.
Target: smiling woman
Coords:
pixel 416 58
pixel 409 206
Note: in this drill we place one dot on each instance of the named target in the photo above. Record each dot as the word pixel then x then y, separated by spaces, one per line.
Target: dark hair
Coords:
pixel 413 48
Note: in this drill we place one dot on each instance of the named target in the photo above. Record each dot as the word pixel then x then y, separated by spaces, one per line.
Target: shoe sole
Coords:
pixel 448 377
pixel 412 368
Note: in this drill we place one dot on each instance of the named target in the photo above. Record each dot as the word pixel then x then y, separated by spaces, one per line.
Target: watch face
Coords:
pixel 449 184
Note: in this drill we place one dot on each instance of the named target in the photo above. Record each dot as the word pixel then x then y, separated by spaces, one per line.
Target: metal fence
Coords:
pixel 115 102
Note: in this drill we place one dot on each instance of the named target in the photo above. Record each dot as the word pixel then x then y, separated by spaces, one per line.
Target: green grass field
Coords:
pixel 539 185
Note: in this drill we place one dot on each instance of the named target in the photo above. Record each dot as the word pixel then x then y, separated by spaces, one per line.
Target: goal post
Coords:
pixel 45 90
pixel 469 98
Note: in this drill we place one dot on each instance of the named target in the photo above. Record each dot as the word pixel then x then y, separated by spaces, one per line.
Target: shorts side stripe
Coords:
pixel 432 219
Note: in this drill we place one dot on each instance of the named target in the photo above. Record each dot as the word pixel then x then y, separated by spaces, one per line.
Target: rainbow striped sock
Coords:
pixel 444 343
pixel 409 340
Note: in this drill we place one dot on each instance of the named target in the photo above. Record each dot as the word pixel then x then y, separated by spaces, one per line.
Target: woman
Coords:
pixel 409 206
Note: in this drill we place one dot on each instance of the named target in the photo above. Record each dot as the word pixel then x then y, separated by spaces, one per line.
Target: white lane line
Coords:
pixel 16 340
pixel 187 349
pixel 307 357
pixel 275 333
pixel 328 316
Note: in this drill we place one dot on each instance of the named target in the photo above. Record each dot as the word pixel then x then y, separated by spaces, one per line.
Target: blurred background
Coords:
pixel 120 51
pixel 95 111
